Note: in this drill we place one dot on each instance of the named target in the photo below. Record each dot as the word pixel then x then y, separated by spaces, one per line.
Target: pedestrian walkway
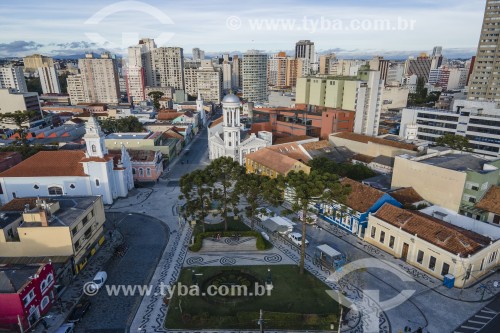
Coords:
pixel 71 296
pixel 152 311
pixel 229 244
pixel 483 290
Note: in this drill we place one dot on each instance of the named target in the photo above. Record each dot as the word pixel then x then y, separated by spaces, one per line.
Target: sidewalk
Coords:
pixel 481 291
pixel 74 291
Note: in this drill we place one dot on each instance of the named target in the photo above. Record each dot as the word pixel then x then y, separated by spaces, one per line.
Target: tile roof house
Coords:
pixel 490 205
pixel 272 162
pixel 352 215
pixel 408 197
pixel 65 172
pixel 433 245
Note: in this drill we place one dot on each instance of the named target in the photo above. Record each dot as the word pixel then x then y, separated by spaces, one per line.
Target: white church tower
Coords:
pixel 231 125
pixel 201 110
pixel 94 139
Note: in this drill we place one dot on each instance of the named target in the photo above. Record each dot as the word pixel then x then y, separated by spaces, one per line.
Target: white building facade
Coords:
pixel 225 137
pixel 72 173
pixel 12 77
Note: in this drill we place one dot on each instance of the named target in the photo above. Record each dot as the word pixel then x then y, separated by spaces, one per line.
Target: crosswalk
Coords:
pixel 478 321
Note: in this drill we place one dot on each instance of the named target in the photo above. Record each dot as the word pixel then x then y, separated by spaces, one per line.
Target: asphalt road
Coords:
pixel 146 238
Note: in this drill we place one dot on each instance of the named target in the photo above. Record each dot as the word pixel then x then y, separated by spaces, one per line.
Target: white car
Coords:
pixel 264 235
pixel 66 328
pixel 99 280
pixel 296 238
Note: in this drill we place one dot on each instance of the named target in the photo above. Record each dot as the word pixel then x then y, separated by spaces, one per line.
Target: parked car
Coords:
pixel 99 280
pixel 66 328
pixel 79 311
pixel 264 235
pixel 296 238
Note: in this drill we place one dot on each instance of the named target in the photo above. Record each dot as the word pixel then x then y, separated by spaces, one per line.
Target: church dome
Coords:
pixel 231 98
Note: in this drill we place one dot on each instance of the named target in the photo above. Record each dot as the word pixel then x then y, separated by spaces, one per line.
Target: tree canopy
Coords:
pixel 196 189
pixel 454 141
pixel 127 124
pixel 354 171
pixel 156 95
pixel 305 190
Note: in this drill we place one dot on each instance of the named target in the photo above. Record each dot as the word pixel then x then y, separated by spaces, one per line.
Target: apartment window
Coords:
pixel 432 263
pixel 77 245
pixel 420 256
pixel 148 172
pixel 74 231
pixel 45 302
pixel 446 269
pixel 29 297
pixel 382 237
pixel 492 257
pixel 141 172
pixel 373 232
pixel 391 242
pixel 55 190
pixel 85 220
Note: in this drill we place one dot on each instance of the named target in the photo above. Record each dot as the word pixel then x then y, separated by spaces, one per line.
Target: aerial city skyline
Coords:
pixel 286 166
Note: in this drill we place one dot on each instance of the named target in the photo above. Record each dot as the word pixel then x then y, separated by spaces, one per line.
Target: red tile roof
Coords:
pixel 447 236
pixel 292 138
pixel 216 122
pixel 363 158
pixel 406 196
pixel 362 197
pixel 292 150
pixel 273 160
pixel 365 139
pixel 49 163
pixel 491 200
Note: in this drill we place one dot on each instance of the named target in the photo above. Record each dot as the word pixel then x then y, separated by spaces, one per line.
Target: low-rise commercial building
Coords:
pixel 490 205
pixel 352 215
pixel 147 165
pixel 453 180
pixel 435 244
pixel 53 226
pixel 12 101
pixel 479 122
pixel 154 141
pixel 26 295
pixel 372 146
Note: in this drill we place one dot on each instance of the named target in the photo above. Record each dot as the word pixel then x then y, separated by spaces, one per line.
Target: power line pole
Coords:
pixel 261 321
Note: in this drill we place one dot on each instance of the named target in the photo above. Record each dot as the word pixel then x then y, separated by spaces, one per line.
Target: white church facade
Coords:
pixel 71 172
pixel 226 136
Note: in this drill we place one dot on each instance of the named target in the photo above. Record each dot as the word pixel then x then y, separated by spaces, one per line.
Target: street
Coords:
pixel 145 238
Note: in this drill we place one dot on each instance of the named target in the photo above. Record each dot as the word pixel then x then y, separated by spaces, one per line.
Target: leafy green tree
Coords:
pixel 196 189
pixel 156 95
pixel 127 124
pixel 63 82
pixel 306 190
pixel 258 191
pixel 225 172
pixel 354 171
pixel 34 85
pixel 454 141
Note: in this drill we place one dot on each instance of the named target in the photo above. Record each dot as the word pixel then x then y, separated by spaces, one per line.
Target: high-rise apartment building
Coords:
pixel 100 78
pixel 484 83
pixel 254 71
pixel 236 77
pixel 362 94
pixel 209 80
pixel 198 54
pixel 421 66
pixel 277 70
pixel 381 65
pixel 76 91
pixel 135 76
pixel 227 75
pixel 49 80
pixel 33 62
pixel 168 65
pixel 305 49
pixel 12 77
pixel 326 62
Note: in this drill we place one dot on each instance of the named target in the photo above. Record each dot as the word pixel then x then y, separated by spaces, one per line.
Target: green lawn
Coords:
pixel 232 225
pixel 296 302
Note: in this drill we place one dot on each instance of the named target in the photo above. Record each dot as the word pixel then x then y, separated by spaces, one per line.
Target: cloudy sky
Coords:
pixel 388 27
